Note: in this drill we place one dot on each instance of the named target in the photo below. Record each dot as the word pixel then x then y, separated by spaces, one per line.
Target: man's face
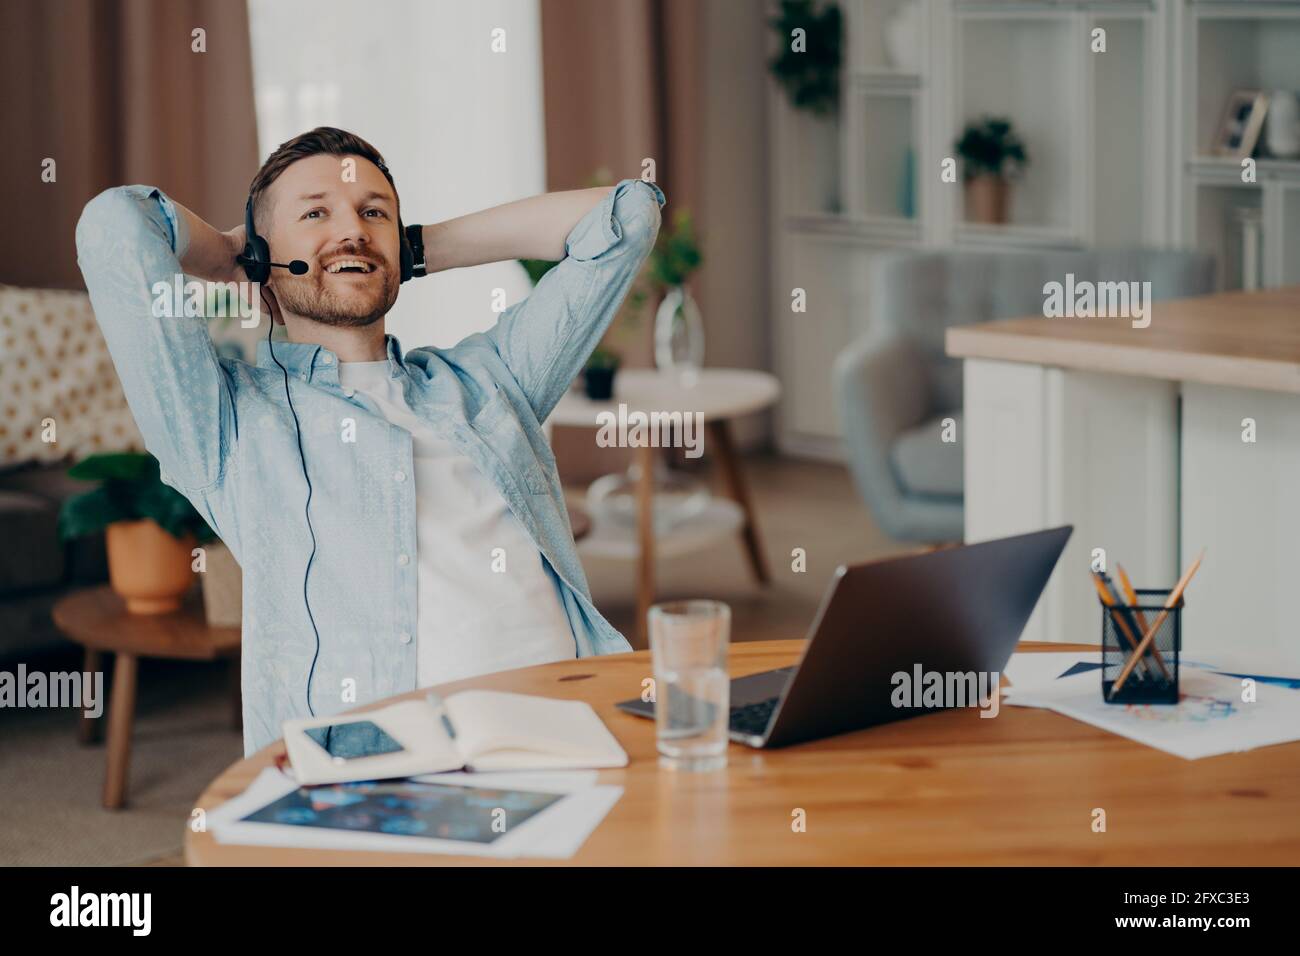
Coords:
pixel 345 231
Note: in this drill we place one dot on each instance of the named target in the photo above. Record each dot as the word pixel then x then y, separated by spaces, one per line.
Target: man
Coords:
pixel 411 515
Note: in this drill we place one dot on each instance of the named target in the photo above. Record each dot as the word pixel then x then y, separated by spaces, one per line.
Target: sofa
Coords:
pixel 54 369
pixel 36 569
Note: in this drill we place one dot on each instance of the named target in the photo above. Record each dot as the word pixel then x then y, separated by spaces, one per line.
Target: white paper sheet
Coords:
pixel 1027 668
pixel 1210 719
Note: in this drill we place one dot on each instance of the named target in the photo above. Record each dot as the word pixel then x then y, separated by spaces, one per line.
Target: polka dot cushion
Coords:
pixel 59 396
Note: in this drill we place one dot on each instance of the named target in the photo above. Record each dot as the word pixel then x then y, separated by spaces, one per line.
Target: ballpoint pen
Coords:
pixel 438 702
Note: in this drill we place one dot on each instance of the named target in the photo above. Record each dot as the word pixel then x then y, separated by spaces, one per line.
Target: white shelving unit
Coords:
pixel 1222 47
pixel 1118 143
pixel 867 181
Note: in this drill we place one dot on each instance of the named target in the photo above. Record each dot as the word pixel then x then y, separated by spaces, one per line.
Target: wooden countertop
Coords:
pixel 1239 339
pixel 948 788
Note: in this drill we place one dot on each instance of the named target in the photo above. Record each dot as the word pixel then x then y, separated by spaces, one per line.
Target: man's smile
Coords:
pixel 350 266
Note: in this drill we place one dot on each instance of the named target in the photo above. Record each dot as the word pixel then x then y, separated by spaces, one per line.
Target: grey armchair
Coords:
pixel 894 387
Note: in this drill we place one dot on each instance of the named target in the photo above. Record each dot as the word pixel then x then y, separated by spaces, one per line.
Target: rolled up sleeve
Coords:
pixel 546 339
pixel 129 242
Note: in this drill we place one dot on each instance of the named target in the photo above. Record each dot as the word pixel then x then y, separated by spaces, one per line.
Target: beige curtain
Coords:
pixel 621 84
pixel 114 93
pixel 683 82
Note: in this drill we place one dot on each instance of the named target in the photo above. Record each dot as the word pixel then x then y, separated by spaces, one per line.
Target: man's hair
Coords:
pixel 323 140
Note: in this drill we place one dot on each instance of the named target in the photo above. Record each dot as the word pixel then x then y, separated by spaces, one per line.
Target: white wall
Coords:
pixel 460 126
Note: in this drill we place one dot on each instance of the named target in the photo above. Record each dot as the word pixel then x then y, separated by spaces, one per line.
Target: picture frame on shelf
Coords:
pixel 1242 122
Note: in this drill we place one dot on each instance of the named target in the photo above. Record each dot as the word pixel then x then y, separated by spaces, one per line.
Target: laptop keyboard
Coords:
pixel 753 718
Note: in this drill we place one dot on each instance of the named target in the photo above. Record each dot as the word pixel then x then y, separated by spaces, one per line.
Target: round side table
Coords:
pixel 98 619
pixel 718 395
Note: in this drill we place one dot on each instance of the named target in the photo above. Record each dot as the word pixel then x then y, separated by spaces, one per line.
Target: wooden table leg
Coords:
pixel 645 588
pixel 88 730
pixel 720 433
pixel 121 715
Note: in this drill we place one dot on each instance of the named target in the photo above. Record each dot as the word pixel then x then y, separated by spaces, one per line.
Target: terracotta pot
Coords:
pixel 986 199
pixel 147 567
pixel 223 587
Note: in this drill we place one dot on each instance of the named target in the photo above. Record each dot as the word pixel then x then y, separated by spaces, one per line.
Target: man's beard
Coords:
pixel 313 299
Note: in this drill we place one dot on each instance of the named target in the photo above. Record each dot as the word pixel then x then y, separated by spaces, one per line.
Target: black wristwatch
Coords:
pixel 415 239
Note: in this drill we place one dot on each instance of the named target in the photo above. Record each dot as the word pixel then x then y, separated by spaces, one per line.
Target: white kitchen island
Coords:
pixel 1140 439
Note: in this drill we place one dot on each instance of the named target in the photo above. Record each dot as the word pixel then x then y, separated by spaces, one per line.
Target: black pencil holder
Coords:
pixel 1154 679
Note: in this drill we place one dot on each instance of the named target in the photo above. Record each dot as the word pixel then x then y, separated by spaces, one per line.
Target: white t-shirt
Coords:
pixel 470 619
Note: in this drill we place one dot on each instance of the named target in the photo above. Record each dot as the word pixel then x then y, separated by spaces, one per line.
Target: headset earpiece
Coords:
pixel 256 258
pixel 407 256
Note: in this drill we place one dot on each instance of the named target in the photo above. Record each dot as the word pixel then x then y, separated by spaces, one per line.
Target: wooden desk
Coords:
pixel 946 788
pixel 1154 443
pixel 1238 339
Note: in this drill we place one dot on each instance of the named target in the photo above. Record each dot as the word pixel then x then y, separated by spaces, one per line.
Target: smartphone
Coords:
pixel 354 739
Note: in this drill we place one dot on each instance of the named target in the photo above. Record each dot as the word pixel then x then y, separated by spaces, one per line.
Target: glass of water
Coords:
pixel 688 652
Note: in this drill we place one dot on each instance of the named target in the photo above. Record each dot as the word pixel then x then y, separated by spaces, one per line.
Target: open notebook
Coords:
pixel 480 730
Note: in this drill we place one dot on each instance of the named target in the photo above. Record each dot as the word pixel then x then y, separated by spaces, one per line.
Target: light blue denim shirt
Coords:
pixel 223 434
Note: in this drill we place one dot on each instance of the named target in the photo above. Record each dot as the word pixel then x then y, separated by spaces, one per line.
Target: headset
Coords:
pixel 257 263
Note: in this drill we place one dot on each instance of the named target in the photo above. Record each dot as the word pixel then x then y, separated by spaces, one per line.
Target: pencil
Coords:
pixel 1174 597
pixel 1131 596
pixel 1107 599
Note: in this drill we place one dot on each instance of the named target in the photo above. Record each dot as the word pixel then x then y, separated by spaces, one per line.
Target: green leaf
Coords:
pixel 990 145
pixel 169 508
pixel 536 268
pixel 811 78
pixel 676 253
pixel 603 358
pixel 126 465
pixel 89 513
pixel 131 490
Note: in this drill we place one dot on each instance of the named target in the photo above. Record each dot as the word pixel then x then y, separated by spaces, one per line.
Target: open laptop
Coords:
pixel 956 610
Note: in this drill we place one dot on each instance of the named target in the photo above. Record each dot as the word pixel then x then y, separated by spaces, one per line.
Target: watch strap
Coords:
pixel 415 239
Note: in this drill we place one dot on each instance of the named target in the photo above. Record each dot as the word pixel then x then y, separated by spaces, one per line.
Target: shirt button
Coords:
pixel 403 560
pixel 399 476
pixel 349 392
pixel 404 637
pixel 327 360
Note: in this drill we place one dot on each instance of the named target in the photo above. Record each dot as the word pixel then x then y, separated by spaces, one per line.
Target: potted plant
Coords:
pixel 809 71
pixel 808 66
pixel 150 528
pixel 992 154
pixel 598 374
pixel 679 329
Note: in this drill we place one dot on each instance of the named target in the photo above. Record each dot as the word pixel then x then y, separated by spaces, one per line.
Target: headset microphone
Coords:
pixel 295 266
